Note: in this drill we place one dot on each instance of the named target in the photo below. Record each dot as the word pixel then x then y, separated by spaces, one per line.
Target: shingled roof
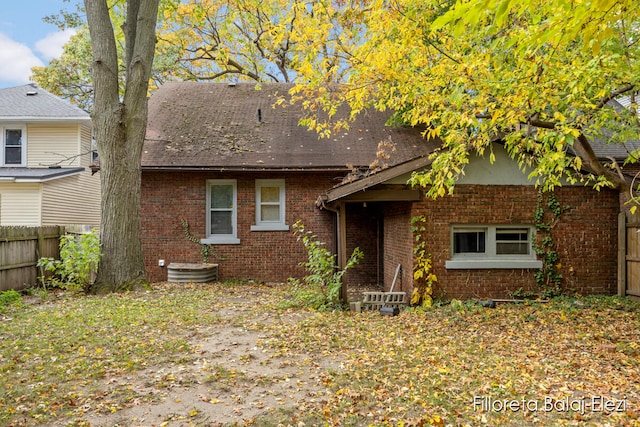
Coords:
pixel 195 125
pixel 32 103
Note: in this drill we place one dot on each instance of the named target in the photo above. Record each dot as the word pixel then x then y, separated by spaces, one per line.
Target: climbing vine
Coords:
pixel 423 277
pixel 548 278
pixel 205 249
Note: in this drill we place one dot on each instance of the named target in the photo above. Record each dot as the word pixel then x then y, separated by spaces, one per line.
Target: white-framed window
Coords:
pixel 270 205
pixel 492 246
pixel 222 212
pixel 14 146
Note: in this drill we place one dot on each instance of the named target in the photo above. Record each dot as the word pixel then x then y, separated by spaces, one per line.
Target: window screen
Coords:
pixel 511 241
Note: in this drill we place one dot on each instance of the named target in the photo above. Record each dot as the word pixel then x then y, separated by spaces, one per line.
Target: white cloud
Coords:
pixel 16 61
pixel 51 46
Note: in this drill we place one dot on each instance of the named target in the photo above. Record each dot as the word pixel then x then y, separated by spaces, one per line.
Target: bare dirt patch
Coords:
pixel 231 379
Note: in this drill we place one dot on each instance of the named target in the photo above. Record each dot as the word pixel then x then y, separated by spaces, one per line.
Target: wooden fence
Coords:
pixel 629 254
pixel 20 249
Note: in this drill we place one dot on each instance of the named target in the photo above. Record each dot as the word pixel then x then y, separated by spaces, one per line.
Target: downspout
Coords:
pixel 340 240
pixel 320 204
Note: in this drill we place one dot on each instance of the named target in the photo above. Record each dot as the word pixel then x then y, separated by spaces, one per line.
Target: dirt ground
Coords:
pixel 234 379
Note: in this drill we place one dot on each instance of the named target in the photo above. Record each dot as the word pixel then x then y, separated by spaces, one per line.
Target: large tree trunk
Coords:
pixel 119 128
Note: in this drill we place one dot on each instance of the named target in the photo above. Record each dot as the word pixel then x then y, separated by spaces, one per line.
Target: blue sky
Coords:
pixel 25 40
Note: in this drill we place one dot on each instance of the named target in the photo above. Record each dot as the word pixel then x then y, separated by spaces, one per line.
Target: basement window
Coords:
pixel 492 247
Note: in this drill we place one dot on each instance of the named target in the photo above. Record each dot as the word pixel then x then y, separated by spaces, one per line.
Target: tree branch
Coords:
pixel 65 158
pixel 129 28
pixel 583 149
pixel 614 95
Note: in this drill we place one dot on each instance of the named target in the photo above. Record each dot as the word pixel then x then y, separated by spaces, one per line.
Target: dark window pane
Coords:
pixel 516 236
pixel 465 242
pixel 221 223
pixel 13 137
pixel 13 155
pixel 13 147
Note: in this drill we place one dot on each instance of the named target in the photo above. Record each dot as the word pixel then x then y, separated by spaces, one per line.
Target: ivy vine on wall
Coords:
pixel 205 249
pixel 423 277
pixel 548 278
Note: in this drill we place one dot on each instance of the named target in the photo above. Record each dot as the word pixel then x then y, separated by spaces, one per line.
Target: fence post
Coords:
pixel 39 250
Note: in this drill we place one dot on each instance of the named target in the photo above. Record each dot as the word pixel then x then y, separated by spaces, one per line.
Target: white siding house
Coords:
pixel 45 154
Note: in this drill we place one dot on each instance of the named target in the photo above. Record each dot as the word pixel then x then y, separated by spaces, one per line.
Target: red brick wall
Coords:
pixel 267 255
pixel 398 248
pixel 362 231
pixel 585 237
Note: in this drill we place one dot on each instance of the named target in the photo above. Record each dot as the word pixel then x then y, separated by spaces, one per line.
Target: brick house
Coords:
pixel 240 171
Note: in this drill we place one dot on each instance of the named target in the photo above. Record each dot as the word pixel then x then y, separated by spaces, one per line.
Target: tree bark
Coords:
pixel 119 128
pixel 584 150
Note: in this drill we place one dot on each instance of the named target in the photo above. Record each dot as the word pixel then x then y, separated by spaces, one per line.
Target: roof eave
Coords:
pixel 362 184
pixel 35 119
pixel 62 173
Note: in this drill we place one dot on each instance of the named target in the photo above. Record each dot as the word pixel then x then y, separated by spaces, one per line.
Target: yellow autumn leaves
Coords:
pixel 478 71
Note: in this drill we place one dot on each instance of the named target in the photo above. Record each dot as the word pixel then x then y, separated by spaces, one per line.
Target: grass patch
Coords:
pixel 9 299
pixel 52 354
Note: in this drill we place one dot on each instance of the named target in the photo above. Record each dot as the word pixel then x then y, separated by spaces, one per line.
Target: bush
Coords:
pixel 79 256
pixel 320 288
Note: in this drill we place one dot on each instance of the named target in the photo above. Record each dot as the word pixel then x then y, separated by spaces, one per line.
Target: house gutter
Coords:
pixel 38 175
pixel 240 169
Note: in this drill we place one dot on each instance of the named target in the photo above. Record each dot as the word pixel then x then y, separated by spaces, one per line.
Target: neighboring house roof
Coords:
pixel 605 150
pixel 615 151
pixel 31 103
pixel 36 174
pixel 196 125
pixel 625 101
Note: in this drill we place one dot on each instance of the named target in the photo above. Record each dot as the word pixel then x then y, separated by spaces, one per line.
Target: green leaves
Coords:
pixel 79 257
pixel 322 284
